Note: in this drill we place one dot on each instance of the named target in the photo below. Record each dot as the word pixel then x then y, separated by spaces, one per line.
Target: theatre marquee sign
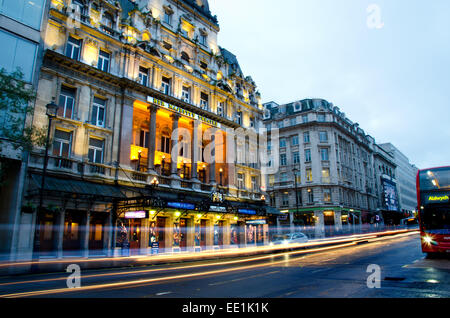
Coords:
pixel 182 111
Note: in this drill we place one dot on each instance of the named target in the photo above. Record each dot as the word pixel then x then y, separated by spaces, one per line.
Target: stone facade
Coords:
pixel 138 83
pixel 337 184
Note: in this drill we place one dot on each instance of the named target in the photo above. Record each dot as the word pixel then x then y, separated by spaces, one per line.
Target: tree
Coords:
pixel 16 97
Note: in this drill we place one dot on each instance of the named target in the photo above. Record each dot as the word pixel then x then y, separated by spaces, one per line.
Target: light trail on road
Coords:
pixel 203 254
pixel 141 282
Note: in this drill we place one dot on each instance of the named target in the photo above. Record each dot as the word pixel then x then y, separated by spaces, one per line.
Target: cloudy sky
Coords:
pixel 386 66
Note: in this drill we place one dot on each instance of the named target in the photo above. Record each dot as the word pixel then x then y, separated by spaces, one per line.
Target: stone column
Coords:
pixel 226 234
pixel 338 220
pixel 209 234
pixel 109 233
pixel 169 234
pixel 195 146
pixel 174 152
pixel 152 139
pixel 320 225
pixel 60 234
pixel 85 235
pixel 176 180
pixel 291 222
pixel 212 164
pixel 230 160
pixel 190 231
pixel 126 134
pixel 145 224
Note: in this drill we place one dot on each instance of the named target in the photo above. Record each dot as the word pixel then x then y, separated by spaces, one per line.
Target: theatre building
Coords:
pixel 151 113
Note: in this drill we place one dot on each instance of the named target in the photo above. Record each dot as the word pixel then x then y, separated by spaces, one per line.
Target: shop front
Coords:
pixel 130 226
pixel 73 224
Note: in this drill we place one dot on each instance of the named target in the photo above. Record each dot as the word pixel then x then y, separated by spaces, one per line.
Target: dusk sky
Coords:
pixel 394 79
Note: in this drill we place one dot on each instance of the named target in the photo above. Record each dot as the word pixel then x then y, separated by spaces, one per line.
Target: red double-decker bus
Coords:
pixel 433 197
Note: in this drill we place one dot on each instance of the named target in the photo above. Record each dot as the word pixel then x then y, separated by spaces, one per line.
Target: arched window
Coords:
pixel 185 56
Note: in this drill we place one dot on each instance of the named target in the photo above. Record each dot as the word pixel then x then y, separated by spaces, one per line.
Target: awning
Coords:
pixel 79 187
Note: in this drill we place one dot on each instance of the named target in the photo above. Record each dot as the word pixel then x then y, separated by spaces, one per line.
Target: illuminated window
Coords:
pixel 309 177
pixel 326 175
pixel 271 180
pixel 327 195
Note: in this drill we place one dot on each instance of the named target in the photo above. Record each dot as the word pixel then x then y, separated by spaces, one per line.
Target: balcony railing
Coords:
pixel 62 163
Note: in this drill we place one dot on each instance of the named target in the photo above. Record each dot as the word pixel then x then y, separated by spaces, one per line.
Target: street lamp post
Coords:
pixel 51 110
pixel 139 160
pixel 220 175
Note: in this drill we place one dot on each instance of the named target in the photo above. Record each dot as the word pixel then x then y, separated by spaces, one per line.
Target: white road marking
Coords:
pixel 163 293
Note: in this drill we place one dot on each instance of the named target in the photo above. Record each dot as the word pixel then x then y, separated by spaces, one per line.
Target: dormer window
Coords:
pixel 107 20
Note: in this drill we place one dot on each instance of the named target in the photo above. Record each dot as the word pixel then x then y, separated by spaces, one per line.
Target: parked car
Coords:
pixel 289 239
